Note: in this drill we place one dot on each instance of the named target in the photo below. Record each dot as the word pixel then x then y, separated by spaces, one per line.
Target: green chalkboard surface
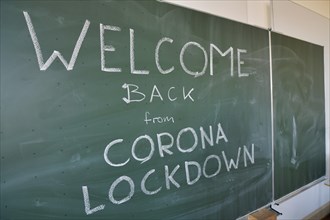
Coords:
pixel 299 118
pixel 132 110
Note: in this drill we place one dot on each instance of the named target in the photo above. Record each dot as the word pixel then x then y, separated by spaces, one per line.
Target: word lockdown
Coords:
pixel 207 59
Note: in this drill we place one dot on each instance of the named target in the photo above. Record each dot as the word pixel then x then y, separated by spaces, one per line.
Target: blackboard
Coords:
pixel 134 110
pixel 158 112
pixel 299 117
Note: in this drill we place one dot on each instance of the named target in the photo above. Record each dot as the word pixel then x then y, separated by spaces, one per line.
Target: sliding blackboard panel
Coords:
pixel 152 112
pixel 299 118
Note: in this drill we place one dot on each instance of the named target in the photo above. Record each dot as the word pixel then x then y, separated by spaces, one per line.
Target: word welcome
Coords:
pixel 207 57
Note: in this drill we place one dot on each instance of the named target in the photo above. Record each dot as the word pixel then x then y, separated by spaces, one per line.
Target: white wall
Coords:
pixel 292 19
pixel 321 7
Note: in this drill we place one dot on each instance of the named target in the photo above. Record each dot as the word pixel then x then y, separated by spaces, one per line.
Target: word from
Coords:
pixel 169 177
pixel 139 96
pixel 155 120
pixel 207 58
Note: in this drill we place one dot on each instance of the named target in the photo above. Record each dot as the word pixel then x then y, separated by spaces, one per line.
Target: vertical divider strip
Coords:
pixel 271 110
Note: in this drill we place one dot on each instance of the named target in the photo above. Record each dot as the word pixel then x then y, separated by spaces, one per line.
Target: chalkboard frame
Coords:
pixel 155 90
